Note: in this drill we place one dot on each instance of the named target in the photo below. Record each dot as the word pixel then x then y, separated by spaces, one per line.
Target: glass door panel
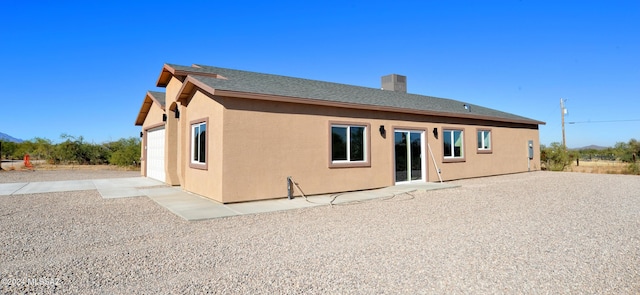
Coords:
pixel 416 155
pixel 401 156
pixel 408 156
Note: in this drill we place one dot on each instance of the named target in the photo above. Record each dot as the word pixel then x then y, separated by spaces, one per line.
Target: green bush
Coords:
pixel 125 152
pixel 74 150
pixel 633 168
pixel 555 157
pixel 8 149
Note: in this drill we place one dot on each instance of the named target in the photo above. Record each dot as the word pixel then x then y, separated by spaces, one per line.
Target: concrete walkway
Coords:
pixel 194 207
pixel 108 188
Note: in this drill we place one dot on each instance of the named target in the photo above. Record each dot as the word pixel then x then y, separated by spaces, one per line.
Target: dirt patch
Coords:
pixel 85 167
pixel 599 167
pixel 12 165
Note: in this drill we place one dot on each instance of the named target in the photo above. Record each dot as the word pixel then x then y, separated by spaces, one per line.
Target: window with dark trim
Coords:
pixel 453 144
pixel 349 145
pixel 484 141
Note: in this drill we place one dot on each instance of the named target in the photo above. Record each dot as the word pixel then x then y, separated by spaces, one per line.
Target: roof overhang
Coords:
pixel 189 87
pixel 371 107
pixel 149 100
pixel 169 71
pixel 192 84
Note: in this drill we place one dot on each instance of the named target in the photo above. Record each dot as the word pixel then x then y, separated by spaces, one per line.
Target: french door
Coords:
pixel 409 161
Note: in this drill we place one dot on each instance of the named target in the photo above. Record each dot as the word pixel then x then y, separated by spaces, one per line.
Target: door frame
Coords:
pixel 423 158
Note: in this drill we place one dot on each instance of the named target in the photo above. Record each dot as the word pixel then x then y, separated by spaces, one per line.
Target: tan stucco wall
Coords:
pixel 171 91
pixel 203 182
pixel 509 155
pixel 262 148
pixel 180 157
pixel 172 133
pixel 264 142
pixel 172 147
pixel 253 145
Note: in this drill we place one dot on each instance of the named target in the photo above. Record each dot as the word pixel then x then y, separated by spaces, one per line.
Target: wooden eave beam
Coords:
pixel 148 101
pixel 168 72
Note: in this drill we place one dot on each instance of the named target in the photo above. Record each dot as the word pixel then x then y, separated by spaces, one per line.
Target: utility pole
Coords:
pixel 563 111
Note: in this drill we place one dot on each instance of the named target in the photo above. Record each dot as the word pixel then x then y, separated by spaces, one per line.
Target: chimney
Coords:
pixel 394 82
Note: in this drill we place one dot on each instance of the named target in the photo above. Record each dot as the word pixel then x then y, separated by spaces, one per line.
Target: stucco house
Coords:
pixel 236 136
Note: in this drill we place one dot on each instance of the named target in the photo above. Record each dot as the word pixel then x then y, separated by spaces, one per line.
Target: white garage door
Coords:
pixel 155 154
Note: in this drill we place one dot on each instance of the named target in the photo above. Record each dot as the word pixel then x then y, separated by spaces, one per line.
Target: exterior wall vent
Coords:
pixel 394 82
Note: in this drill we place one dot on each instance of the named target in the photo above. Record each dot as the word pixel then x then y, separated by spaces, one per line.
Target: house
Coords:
pixel 236 136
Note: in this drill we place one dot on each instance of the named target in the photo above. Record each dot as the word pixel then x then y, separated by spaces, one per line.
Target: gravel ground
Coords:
pixel 540 232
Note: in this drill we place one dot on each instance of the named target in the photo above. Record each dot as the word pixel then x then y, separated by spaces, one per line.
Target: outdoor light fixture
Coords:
pixel 435 133
pixel 177 114
pixel 382 131
pixel 164 117
pixel 141 133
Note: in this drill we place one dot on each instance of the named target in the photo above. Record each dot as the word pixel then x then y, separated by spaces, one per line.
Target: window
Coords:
pixel 349 145
pixel 484 141
pixel 453 144
pixel 199 143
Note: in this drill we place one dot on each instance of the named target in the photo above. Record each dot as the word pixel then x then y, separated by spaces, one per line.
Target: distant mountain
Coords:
pixel 591 147
pixel 7 137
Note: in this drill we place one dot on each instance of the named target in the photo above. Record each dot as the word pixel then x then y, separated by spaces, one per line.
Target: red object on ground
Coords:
pixel 27 162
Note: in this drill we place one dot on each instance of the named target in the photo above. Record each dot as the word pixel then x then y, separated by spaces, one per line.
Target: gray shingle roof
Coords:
pixel 252 82
pixel 159 96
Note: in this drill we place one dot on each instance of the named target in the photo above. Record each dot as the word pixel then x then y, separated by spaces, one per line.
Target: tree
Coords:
pixel 621 151
pixel 634 149
pixel 632 156
pixel 76 150
pixel 25 147
pixel 125 152
pixel 8 149
pixel 555 157
pixel 41 148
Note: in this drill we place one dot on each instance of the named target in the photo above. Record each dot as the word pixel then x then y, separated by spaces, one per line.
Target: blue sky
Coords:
pixel 82 68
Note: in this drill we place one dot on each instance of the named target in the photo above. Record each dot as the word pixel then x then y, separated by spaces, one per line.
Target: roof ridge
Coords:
pixel 328 82
pixel 289 77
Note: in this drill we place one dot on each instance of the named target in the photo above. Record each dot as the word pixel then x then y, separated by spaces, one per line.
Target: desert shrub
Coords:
pixel 8 148
pixel 37 148
pixel 627 151
pixel 75 150
pixel 41 148
pixel 633 168
pixel 125 152
pixel 70 151
pixel 554 157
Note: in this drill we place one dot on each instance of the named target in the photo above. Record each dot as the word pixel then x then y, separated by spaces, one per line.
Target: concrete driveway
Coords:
pixel 194 207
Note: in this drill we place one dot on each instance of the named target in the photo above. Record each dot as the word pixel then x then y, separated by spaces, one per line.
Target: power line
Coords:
pixel 606 121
